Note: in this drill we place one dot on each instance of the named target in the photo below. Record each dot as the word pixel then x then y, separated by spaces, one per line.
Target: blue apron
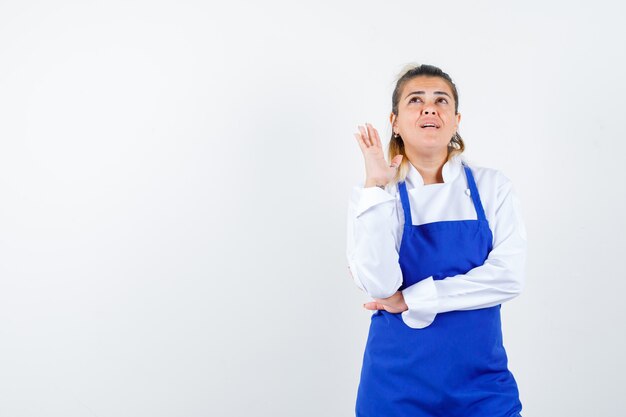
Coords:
pixel 456 366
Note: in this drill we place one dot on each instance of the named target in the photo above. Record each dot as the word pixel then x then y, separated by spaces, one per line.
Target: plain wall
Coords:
pixel 174 180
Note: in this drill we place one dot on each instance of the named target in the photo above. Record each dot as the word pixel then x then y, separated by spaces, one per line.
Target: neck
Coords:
pixel 430 166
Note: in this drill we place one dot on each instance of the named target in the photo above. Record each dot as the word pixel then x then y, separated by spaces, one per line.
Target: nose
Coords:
pixel 429 109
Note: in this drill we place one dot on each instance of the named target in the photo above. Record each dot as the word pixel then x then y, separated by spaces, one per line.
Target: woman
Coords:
pixel 439 246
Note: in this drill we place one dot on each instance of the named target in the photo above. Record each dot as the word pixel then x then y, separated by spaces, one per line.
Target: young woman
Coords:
pixel 439 246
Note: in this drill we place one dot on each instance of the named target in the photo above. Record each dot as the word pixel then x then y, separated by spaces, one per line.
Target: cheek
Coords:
pixel 410 117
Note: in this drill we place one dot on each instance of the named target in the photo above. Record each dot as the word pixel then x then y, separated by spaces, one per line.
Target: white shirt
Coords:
pixel 375 225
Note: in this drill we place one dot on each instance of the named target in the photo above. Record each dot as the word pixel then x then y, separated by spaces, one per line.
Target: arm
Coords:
pixel 373 241
pixel 499 279
pixel 372 257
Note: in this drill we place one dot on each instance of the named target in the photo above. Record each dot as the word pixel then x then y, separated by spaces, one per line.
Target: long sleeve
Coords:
pixel 499 279
pixel 373 241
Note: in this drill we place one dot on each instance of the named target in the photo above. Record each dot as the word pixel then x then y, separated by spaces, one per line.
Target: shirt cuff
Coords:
pixel 370 197
pixel 422 300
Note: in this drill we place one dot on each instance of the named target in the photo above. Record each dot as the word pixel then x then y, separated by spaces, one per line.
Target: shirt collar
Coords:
pixel 450 171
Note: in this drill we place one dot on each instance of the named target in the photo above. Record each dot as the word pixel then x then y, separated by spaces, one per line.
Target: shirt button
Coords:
pixel 468 192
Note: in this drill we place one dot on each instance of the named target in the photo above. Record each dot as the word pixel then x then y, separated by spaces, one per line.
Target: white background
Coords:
pixel 174 179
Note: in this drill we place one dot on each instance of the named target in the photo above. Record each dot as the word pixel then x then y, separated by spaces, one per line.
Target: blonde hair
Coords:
pixel 396 144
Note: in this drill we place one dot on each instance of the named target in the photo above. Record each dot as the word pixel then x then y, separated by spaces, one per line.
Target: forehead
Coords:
pixel 426 84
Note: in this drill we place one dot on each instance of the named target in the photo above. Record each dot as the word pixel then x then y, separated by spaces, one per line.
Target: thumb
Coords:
pixel 395 162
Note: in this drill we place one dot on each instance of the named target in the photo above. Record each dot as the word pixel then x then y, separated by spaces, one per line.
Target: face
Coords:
pixel 426 101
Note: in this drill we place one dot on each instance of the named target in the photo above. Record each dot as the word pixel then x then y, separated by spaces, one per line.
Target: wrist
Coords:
pixel 375 183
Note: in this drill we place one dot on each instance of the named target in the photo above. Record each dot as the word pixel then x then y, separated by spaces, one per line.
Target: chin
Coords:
pixel 429 145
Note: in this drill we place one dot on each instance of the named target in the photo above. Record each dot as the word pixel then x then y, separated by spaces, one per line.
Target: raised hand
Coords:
pixel 377 171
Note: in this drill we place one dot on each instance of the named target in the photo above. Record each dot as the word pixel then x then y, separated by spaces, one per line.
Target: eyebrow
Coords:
pixel 441 93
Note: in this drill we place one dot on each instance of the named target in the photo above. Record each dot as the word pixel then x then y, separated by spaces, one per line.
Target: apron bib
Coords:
pixel 456 366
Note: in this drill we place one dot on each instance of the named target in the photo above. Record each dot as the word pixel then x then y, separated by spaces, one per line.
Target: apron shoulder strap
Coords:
pixel 406 207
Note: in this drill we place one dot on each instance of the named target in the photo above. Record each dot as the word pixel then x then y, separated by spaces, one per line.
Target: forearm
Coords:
pixel 372 242
pixel 488 285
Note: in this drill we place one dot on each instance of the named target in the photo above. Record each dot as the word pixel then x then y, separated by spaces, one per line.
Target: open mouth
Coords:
pixel 429 125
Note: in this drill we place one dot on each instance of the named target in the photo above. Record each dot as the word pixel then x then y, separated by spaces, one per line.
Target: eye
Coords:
pixel 444 100
pixel 413 99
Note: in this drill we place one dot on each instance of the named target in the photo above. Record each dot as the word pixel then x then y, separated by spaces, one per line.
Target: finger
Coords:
pixel 365 135
pixel 396 161
pixel 374 134
pixel 373 305
pixel 359 140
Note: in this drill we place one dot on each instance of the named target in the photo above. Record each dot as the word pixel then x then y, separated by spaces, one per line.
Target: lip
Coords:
pixel 425 121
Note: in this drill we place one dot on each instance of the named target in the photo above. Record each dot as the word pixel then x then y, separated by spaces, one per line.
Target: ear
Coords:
pixel 392 119
pixel 458 119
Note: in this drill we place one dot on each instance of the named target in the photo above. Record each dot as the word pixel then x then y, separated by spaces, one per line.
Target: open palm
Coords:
pixel 377 170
